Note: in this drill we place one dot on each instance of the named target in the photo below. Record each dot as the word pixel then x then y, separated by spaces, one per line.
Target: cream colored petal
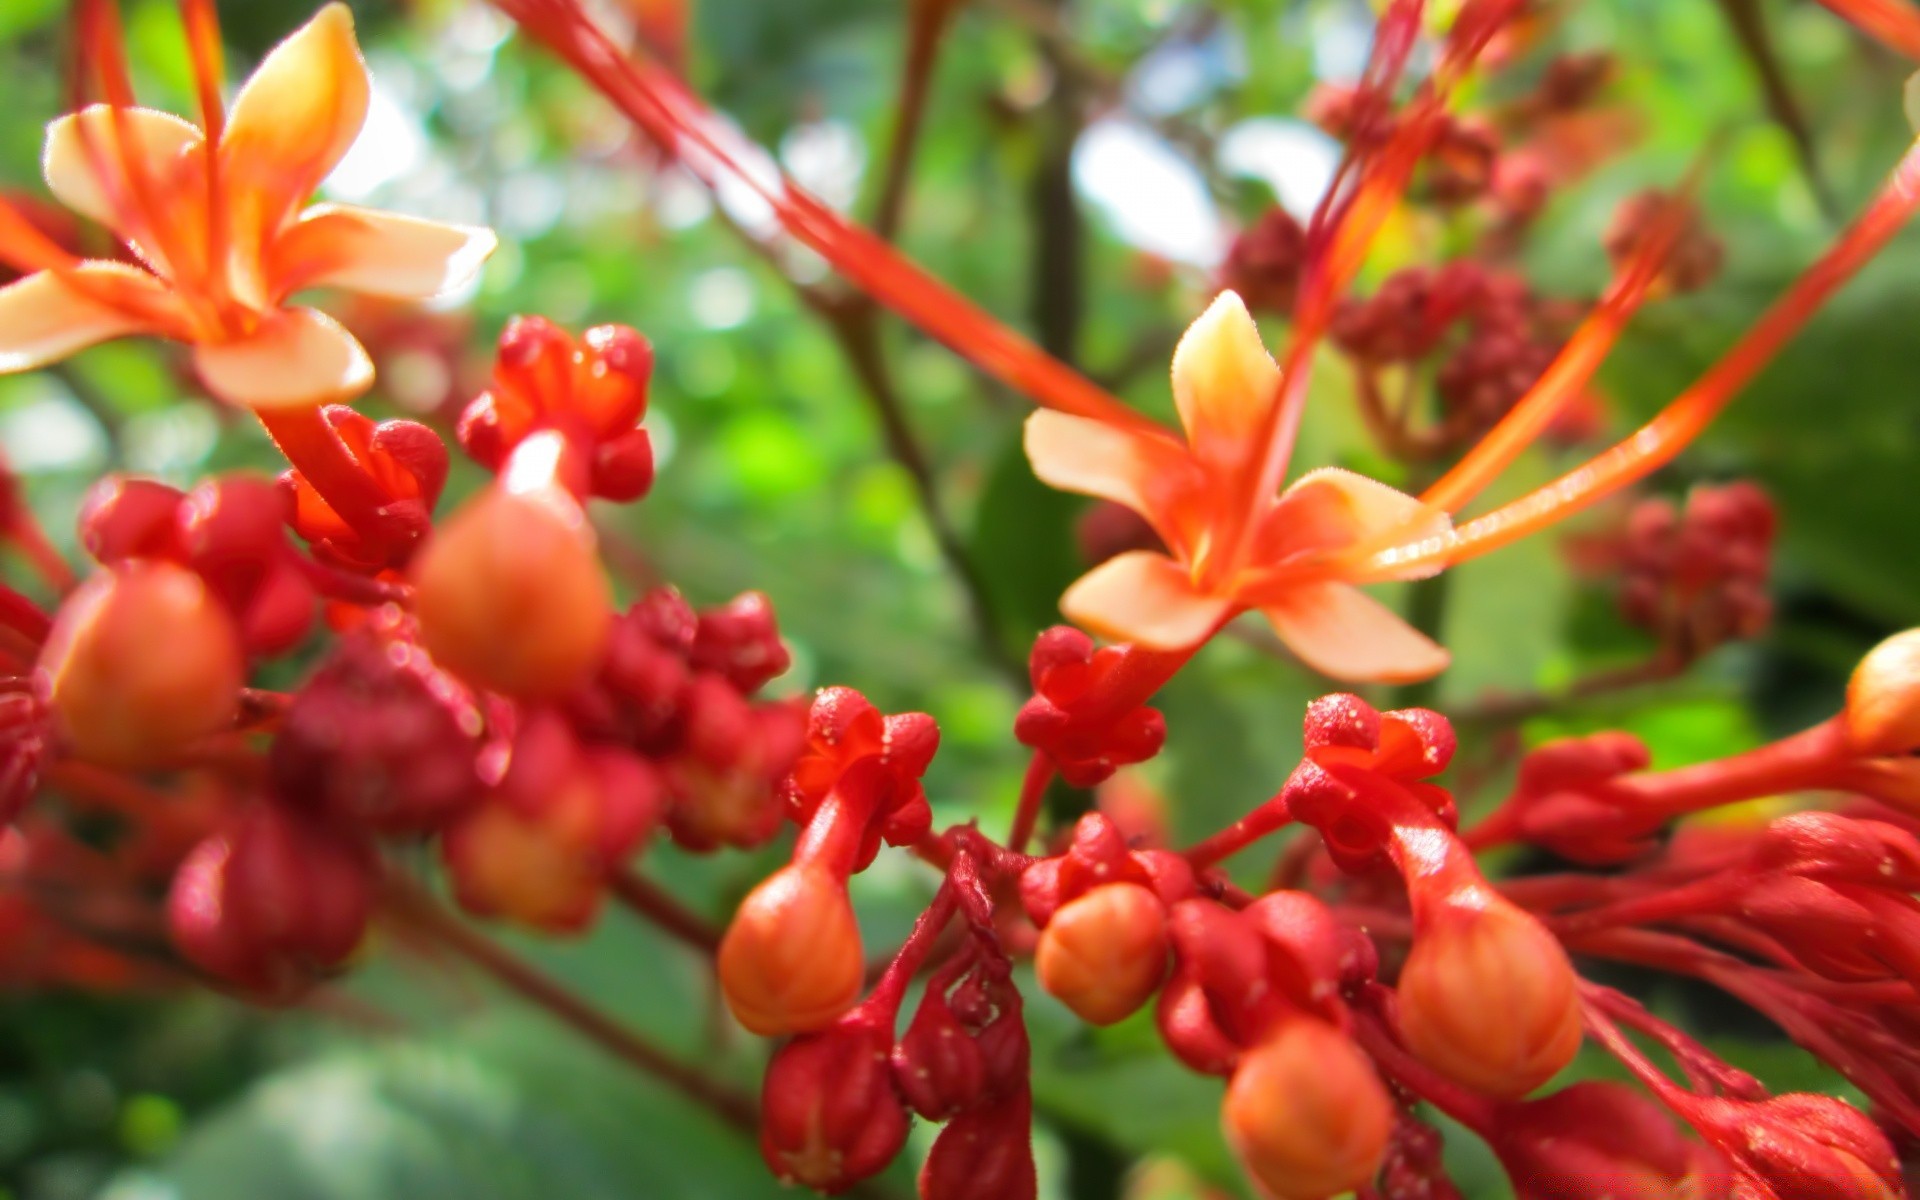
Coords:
pixel 298 357
pixel 1146 474
pixel 45 318
pixel 380 253
pixel 1224 383
pixel 1144 598
pixel 1345 634
pixel 79 144
pixel 1331 507
pixel 290 125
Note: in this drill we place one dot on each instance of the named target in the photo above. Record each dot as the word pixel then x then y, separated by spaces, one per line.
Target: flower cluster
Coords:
pixel 478 691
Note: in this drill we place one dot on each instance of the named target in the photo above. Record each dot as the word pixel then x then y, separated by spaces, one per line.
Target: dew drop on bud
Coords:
pixel 1488 999
pixel 1883 697
pixel 791 960
pixel 1306 1114
pixel 1104 954
pixel 142 660
pixel 510 594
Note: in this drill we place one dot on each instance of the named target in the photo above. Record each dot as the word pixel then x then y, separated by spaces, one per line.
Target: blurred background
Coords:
pixel 1083 169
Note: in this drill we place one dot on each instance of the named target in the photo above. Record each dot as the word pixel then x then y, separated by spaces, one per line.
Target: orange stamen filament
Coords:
pixel 1657 442
pixel 676 120
pixel 209 69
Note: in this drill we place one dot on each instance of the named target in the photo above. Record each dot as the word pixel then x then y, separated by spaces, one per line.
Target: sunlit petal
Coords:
pixel 1145 598
pixel 79 144
pixel 1224 383
pixel 1345 634
pixel 44 318
pixel 297 357
pixel 291 123
pixel 1330 508
pixel 380 253
pixel 1149 475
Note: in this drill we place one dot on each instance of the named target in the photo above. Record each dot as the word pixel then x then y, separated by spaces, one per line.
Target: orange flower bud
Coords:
pixel 1488 999
pixel 791 961
pixel 142 660
pixel 1306 1114
pixel 1104 954
pixel 1883 697
pixel 511 595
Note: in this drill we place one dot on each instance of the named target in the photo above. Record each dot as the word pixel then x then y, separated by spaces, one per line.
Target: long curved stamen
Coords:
pixel 209 70
pixel 121 169
pixel 1658 441
pixel 1894 23
pixel 1571 369
pixel 1350 227
pixel 675 119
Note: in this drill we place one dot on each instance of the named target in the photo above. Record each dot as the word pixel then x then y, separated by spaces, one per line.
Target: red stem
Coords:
pixel 1033 790
pixel 1271 816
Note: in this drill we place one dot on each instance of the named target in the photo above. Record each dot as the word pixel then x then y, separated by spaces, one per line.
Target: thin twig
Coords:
pixel 648 900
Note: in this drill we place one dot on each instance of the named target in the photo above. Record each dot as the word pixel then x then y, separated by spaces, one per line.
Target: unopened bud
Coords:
pixel 985 1153
pixel 1883 697
pixel 1104 954
pixel 141 661
pixel 1306 1114
pixel 1804 1146
pixel 510 594
pixel 1603 1141
pixel 829 1114
pixel 1488 999
pixel 273 901
pixel 791 960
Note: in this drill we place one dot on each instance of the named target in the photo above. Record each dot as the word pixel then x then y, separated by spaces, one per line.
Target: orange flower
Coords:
pixel 218 220
pixel 1226 387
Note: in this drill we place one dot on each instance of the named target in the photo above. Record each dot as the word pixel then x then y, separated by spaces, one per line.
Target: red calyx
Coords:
pixel 872 763
pixel 1098 855
pixel 1065 720
pixel 593 390
pixel 407 464
pixel 231 531
pixel 984 1154
pixel 1345 734
pixel 1594 1141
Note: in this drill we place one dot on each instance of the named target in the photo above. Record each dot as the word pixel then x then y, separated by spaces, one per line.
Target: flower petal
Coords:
pixel 1342 632
pixel 296 358
pixel 1330 507
pixel 290 124
pixel 79 144
pixel 1149 475
pixel 1224 383
pixel 380 253
pixel 45 317
pixel 1145 598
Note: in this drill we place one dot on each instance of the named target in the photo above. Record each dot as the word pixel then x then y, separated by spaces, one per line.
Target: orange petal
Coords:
pixel 78 144
pixel 1224 383
pixel 380 253
pixel 1145 598
pixel 44 317
pixel 1149 475
pixel 1342 632
pixel 1331 507
pixel 291 123
pixel 297 357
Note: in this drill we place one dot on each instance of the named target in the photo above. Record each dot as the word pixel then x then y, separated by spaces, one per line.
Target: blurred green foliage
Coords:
pixel 774 476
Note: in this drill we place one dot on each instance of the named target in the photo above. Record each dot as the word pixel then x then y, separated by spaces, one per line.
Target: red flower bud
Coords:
pixel 1263 263
pixel 938 1065
pixel 741 641
pixel 1063 719
pixel 874 762
pixel 984 1154
pixel 829 1114
pixel 124 518
pixel 1099 855
pixel 1306 1114
pixel 510 595
pixel 1104 954
pixel 379 738
pixel 1488 999
pixel 1799 1147
pixel 272 902
pixel 120 696
pixel 791 960
pixel 1602 1141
